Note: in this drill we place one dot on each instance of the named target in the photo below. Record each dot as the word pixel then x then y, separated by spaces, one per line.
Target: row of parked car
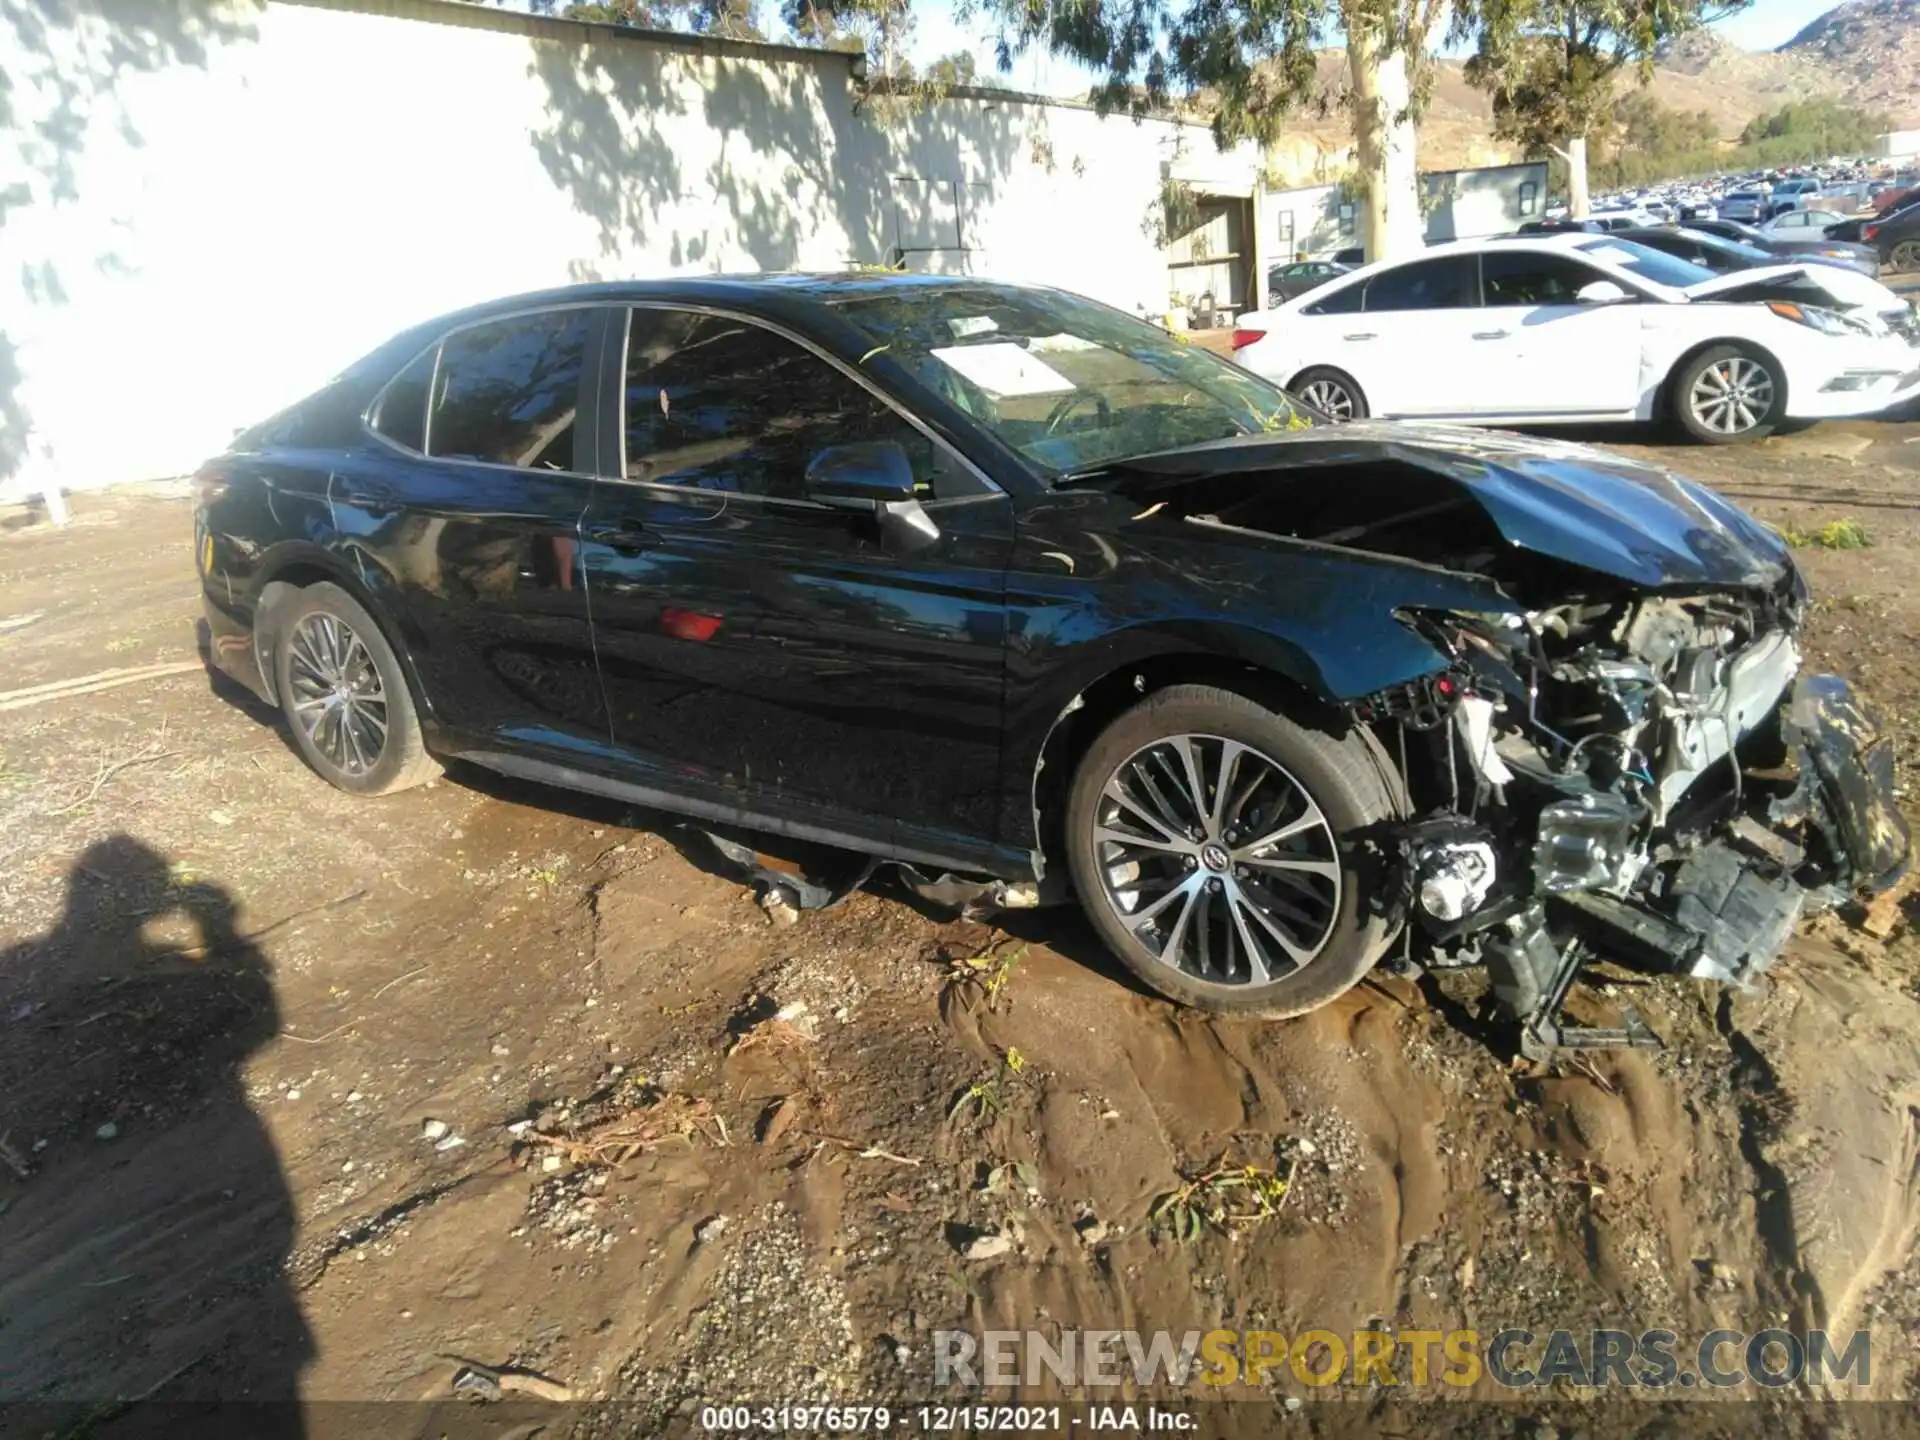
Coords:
pixel 1842 187
pixel 1725 333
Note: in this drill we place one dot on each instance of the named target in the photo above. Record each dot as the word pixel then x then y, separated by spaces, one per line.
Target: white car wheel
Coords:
pixel 1726 395
pixel 1331 393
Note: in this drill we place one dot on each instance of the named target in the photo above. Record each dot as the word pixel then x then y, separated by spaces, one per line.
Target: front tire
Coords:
pixel 1332 392
pixel 345 696
pixel 1221 851
pixel 1727 395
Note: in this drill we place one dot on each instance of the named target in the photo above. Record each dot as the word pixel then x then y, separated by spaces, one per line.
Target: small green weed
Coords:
pixel 1834 535
pixel 1224 1198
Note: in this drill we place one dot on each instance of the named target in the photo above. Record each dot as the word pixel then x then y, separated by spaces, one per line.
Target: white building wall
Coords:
pixel 1309 221
pixel 210 206
pixel 1493 200
pixel 1899 145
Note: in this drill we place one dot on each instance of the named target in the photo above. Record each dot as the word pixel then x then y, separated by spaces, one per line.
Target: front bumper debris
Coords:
pixel 1846 783
pixel 1726 910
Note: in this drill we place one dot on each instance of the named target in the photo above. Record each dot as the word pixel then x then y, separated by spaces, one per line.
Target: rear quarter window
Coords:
pixel 400 414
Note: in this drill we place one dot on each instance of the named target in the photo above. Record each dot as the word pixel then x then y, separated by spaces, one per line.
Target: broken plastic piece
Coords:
pixel 1475 720
pixel 1531 980
pixel 772 877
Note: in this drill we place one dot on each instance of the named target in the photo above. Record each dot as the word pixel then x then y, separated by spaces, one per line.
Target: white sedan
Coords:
pixel 1577 328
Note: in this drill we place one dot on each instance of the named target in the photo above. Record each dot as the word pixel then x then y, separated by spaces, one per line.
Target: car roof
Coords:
pixel 1544 240
pixel 797 298
pixel 765 290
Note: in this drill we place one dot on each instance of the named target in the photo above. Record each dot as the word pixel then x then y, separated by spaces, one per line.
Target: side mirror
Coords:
pixel 861 476
pixel 1601 292
pixel 875 476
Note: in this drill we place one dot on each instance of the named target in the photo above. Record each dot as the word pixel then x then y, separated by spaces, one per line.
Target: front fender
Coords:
pixel 1322 624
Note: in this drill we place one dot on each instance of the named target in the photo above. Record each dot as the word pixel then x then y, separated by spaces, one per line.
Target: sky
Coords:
pixel 1765 25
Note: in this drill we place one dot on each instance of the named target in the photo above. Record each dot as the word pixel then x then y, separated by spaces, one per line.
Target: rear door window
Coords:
pixel 507 392
pixel 1446 283
pixel 1345 301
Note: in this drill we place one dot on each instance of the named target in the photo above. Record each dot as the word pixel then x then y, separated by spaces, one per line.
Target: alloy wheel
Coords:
pixel 1330 398
pixel 1731 396
pixel 338 699
pixel 1905 256
pixel 1217 860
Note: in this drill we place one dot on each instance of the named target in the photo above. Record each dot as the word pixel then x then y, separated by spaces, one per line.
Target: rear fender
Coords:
pixel 289 568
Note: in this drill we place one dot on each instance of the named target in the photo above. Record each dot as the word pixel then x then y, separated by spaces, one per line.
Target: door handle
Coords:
pixel 1491 334
pixel 618 534
pixel 1362 335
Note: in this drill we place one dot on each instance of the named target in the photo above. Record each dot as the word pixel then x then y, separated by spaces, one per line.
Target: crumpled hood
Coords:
pixel 1736 280
pixel 1568 502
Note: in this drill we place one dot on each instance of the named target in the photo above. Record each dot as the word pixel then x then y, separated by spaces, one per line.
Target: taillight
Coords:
pixel 1244 338
pixel 1870 232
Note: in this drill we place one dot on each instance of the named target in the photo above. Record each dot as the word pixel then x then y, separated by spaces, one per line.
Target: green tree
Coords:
pixel 1551 65
pixel 730 19
pixel 1252 62
pixel 878 28
pixel 1816 127
pixel 959 68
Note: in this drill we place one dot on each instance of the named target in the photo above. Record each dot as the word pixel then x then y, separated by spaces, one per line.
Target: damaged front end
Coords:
pixel 1613 749
pixel 1648 778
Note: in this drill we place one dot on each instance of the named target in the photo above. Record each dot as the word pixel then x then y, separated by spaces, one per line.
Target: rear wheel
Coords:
pixel 1726 395
pixel 1332 392
pixel 1905 256
pixel 1219 849
pixel 345 696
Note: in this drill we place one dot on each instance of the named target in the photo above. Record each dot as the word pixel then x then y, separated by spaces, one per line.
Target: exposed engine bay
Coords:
pixel 1618 754
pixel 1651 779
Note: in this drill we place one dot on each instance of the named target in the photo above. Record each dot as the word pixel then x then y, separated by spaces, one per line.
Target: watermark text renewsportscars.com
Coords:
pixel 1514 1359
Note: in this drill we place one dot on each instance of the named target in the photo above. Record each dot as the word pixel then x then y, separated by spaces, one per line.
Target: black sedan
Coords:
pixel 1001 582
pixel 1893 236
pixel 1834 248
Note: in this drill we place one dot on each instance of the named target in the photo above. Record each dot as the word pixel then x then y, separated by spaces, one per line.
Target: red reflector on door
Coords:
pixel 688 624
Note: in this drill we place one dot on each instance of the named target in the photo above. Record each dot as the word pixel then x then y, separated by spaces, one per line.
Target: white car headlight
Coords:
pixel 1827 322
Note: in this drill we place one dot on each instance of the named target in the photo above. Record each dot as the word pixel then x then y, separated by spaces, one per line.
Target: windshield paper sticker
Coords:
pixel 1004 371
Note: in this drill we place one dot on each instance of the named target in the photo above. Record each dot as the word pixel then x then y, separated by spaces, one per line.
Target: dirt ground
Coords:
pixel 299 1092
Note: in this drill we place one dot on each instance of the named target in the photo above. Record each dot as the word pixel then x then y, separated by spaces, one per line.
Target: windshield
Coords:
pixel 1070 384
pixel 1648 264
pixel 1749 254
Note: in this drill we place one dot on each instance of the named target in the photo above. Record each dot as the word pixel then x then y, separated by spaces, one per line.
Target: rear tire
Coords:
pixel 1727 395
pixel 1283 853
pixel 1331 391
pixel 345 696
pixel 1904 257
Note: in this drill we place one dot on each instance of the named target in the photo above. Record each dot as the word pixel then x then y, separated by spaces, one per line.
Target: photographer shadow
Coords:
pixel 145 1222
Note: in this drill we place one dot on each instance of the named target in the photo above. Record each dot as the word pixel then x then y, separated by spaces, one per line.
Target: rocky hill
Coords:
pixel 1865 52
pixel 1872 47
